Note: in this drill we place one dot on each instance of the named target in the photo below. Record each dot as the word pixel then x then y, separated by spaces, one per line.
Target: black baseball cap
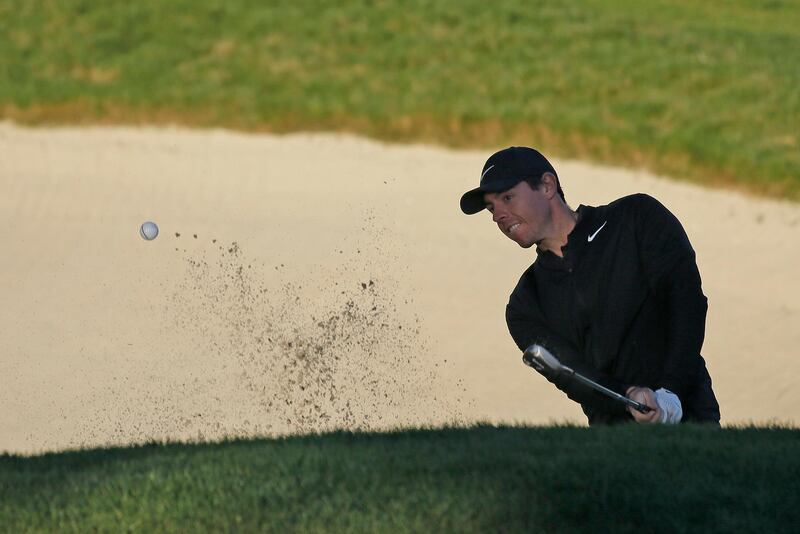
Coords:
pixel 502 171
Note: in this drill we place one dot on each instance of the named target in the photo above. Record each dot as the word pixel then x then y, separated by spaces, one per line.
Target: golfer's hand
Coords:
pixel 647 397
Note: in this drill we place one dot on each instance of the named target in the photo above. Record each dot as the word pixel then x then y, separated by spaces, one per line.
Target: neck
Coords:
pixel 564 221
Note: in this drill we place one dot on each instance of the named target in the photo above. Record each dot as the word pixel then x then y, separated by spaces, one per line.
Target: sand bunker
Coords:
pixel 308 282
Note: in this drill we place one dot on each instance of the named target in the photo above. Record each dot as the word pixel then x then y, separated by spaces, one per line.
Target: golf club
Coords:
pixel 542 359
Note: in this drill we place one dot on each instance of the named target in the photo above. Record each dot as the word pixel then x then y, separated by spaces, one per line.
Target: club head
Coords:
pixel 541 359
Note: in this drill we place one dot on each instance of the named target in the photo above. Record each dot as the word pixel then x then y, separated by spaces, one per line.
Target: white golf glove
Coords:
pixel 670 406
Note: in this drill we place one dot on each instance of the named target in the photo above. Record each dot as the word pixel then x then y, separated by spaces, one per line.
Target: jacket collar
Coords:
pixel 576 242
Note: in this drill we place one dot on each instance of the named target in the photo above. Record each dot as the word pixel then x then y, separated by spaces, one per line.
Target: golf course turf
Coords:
pixel 706 92
pixel 480 479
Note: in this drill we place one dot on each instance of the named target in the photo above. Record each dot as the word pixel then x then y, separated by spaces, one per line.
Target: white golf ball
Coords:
pixel 149 231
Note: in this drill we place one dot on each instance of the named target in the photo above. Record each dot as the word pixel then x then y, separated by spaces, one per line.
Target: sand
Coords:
pixel 307 282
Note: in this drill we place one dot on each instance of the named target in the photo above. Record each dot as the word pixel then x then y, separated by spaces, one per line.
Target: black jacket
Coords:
pixel 624 307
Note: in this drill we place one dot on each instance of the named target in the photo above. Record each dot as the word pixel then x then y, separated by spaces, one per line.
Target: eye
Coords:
pixel 507 197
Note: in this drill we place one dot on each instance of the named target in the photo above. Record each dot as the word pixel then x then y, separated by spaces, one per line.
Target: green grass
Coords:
pixel 483 479
pixel 706 91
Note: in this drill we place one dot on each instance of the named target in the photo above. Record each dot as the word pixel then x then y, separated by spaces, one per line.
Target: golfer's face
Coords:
pixel 521 213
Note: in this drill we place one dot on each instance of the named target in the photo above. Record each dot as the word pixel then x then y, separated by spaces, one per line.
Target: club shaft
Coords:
pixel 613 394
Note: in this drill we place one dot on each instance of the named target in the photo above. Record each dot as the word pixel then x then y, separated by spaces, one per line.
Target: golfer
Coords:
pixel 614 292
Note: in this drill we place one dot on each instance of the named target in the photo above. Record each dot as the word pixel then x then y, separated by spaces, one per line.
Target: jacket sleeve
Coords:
pixel 668 261
pixel 527 328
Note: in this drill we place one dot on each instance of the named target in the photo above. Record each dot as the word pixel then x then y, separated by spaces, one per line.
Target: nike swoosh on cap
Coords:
pixel 591 237
pixel 487 170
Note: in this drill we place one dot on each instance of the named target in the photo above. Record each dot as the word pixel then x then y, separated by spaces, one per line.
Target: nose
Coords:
pixel 498 214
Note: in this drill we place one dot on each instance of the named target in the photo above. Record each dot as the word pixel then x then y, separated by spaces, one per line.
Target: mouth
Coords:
pixel 510 230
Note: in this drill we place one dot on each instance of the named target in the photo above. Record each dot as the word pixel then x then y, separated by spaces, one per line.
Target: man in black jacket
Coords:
pixel 614 292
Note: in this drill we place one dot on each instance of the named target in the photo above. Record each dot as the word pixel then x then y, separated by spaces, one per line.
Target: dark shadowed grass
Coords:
pixel 700 90
pixel 482 479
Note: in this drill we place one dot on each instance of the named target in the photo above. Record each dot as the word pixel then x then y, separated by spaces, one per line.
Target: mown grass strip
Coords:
pixel 702 91
pixel 482 479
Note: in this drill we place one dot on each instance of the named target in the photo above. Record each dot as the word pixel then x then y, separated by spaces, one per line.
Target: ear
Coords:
pixel 549 185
